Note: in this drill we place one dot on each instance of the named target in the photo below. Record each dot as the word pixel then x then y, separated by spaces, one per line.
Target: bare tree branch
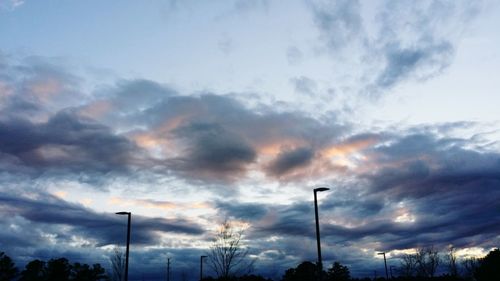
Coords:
pixel 227 256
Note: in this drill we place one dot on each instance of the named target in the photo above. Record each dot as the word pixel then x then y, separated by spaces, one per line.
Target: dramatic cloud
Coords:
pixel 64 142
pixel 211 149
pixel 100 229
pixel 418 189
pixel 389 190
pixel 288 160
pixel 216 127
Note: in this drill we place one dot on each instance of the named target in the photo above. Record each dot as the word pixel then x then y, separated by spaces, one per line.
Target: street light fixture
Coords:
pixel 320 263
pixel 385 263
pixel 201 267
pixel 129 214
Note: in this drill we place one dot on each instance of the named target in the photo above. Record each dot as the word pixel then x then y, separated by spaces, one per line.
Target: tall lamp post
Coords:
pixel 320 263
pixel 385 263
pixel 201 267
pixel 129 214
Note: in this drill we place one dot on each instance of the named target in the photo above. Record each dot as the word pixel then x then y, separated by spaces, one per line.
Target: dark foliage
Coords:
pixel 251 277
pixel 61 270
pixel 8 270
pixel 489 267
pixel 35 270
pixel 306 271
pixel 338 272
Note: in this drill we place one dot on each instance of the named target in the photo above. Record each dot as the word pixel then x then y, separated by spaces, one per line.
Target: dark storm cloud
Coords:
pixel 219 139
pixel 46 213
pixel 48 125
pixel 353 205
pixel 289 160
pixel 214 149
pixel 287 220
pixel 65 142
pixel 451 191
pixel 242 211
pixel 424 189
pixel 430 164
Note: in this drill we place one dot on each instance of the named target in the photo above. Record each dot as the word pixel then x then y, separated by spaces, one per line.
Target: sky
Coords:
pixel 190 113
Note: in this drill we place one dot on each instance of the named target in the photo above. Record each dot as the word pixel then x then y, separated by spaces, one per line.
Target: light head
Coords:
pixel 320 189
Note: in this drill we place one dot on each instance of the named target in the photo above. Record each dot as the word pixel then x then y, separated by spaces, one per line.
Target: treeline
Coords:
pixel 54 270
pixel 421 266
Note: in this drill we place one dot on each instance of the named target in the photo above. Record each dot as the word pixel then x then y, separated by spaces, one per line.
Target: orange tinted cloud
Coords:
pixel 348 148
pixel 157 138
pixel 274 147
pixel 158 204
pixel 96 109
pixel 46 89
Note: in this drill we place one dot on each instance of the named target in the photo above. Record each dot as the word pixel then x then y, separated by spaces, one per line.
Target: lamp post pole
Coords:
pixel 385 263
pixel 320 262
pixel 201 267
pixel 129 214
pixel 168 269
pixel 390 269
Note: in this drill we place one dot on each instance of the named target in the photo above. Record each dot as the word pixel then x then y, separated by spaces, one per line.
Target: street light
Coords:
pixel 390 269
pixel 385 263
pixel 129 214
pixel 320 263
pixel 201 267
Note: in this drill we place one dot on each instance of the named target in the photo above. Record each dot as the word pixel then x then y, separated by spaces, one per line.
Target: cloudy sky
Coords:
pixel 187 113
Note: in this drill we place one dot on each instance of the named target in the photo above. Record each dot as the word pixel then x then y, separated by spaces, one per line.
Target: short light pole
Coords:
pixel 390 269
pixel 385 263
pixel 201 267
pixel 168 269
pixel 320 262
pixel 129 214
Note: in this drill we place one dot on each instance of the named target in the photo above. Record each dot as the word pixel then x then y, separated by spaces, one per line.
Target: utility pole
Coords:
pixel 168 269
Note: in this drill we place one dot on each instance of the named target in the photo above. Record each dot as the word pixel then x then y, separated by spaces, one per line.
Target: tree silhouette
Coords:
pixel 451 259
pixel 34 271
pixel 227 255
pixel 58 269
pixel 469 266
pixel 338 272
pixel 61 270
pixel 489 267
pixel 427 260
pixel 83 272
pixel 8 270
pixel 306 271
pixel 408 265
pixel 118 265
